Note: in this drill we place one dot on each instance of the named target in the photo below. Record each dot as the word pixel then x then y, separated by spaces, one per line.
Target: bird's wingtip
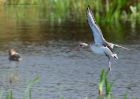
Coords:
pixel 88 8
pixel 122 47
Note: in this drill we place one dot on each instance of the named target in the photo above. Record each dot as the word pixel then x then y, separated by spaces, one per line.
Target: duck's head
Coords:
pixel 12 51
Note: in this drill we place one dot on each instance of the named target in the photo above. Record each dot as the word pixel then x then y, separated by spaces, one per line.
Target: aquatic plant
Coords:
pixel 28 90
pixel 9 95
pixel 106 11
pixel 104 82
pixel 105 87
pixel 101 83
pixel 103 93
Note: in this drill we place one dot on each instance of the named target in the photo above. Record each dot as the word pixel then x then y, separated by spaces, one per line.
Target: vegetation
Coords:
pixel 115 17
pixel 27 90
pixel 106 11
pixel 105 83
pixel 104 88
pixel 64 11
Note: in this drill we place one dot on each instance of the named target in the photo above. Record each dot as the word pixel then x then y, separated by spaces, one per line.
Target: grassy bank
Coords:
pixel 106 11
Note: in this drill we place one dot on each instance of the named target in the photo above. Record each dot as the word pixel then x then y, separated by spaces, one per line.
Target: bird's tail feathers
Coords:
pixel 115 56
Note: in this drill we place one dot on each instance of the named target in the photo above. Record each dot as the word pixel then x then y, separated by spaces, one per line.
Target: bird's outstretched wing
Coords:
pixel 121 47
pixel 111 46
pixel 97 34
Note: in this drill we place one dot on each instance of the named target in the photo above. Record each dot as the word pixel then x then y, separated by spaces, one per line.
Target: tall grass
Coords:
pixel 104 82
pixel 106 11
pixel 28 90
pixel 104 89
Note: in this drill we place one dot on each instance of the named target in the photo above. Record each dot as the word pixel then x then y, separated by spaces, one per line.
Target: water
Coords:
pixel 46 51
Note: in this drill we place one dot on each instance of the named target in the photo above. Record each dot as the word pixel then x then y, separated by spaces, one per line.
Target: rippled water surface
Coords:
pixel 46 51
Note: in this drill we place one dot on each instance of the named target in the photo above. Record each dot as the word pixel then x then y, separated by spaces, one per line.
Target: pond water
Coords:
pixel 46 46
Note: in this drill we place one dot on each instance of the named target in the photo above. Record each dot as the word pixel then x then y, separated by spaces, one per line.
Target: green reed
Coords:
pixel 104 82
pixel 9 95
pixel 28 90
pixel 104 89
pixel 106 11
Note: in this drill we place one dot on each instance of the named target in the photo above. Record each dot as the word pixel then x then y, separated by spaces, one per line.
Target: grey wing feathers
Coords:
pixel 111 46
pixel 121 47
pixel 97 34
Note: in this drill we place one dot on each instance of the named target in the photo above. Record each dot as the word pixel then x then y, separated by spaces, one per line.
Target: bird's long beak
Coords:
pixel 81 45
pixel 76 48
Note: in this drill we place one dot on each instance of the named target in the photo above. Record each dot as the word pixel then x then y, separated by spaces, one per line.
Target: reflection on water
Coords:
pixel 74 75
pixel 30 23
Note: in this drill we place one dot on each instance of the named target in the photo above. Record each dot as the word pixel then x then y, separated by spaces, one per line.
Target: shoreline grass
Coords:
pixel 105 11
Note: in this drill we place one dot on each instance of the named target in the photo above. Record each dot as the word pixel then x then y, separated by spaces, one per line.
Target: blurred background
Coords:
pixel 45 31
pixel 120 18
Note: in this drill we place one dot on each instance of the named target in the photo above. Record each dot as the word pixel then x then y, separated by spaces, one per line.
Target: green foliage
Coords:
pixel 106 11
pixel 125 96
pixel 29 88
pixel 61 97
pixel 1 93
pixel 105 83
pixel 9 95
pixel 101 82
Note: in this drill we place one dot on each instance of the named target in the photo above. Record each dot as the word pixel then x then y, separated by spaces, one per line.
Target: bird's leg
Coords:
pixel 109 65
pixel 109 62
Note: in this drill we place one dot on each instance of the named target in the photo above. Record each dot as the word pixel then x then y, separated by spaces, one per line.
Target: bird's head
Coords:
pixel 115 56
pixel 12 51
pixel 82 44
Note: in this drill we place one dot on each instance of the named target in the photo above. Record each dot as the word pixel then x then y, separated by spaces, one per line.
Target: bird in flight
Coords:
pixel 100 45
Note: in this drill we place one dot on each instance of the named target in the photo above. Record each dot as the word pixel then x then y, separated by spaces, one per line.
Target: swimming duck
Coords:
pixel 13 55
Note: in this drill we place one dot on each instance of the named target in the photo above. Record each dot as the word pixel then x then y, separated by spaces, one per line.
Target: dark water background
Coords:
pixel 44 44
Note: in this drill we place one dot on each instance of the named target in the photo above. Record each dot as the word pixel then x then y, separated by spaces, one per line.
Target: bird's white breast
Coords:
pixel 98 49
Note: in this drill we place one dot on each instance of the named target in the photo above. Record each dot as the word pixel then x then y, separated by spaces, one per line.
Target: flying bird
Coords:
pixel 100 45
